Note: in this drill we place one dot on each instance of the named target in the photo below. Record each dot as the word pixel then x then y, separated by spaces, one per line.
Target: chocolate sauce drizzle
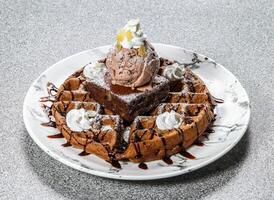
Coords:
pixel 112 160
pixel 52 91
pixel 59 135
pixel 137 150
pixel 217 100
pixel 49 124
pixel 194 60
pixel 188 155
pixel 199 143
pixel 168 160
pixel 197 130
pixel 143 165
pixel 115 163
pixel 67 144
pixel 83 153
pixel 209 130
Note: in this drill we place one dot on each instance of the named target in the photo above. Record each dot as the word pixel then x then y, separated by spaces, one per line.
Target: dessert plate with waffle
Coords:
pixel 135 110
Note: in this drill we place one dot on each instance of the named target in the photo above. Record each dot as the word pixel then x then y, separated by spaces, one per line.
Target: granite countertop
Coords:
pixel 237 34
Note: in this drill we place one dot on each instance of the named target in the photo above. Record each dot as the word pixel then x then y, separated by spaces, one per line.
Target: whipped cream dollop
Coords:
pixel 131 36
pixel 93 70
pixel 80 119
pixel 174 72
pixel 169 120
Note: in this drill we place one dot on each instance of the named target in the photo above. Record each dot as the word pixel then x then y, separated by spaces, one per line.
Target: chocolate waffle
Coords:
pixel 188 97
pixel 112 138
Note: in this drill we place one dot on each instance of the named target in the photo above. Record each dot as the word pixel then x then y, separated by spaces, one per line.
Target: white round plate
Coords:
pixel 230 125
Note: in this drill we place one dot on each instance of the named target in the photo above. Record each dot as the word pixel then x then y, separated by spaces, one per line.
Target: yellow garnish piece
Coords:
pixel 118 46
pixel 129 35
pixel 142 51
pixel 122 34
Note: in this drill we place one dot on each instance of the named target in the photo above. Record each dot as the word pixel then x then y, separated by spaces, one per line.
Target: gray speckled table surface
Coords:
pixel 237 34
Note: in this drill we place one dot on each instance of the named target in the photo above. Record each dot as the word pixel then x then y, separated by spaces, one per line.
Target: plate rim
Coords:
pixel 131 177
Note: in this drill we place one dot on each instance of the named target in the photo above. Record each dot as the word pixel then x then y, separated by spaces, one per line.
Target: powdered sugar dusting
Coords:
pixel 129 98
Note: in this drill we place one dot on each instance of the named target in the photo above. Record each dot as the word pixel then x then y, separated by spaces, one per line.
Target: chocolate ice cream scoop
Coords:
pixel 130 69
pixel 133 61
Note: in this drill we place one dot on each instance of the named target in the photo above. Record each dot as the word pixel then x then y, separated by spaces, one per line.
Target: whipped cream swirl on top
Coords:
pixel 80 119
pixel 174 72
pixel 131 36
pixel 169 120
pixel 93 70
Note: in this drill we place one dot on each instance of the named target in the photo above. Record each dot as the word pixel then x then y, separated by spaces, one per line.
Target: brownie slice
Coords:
pixel 126 102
